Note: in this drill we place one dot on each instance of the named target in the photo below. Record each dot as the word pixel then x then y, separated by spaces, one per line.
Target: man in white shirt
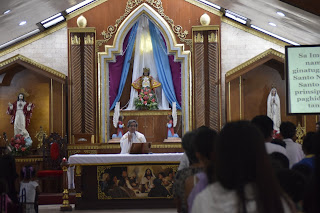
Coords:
pixel 294 150
pixel 265 124
pixel 132 136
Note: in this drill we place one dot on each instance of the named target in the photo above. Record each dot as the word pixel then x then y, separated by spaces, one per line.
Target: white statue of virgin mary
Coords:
pixel 273 108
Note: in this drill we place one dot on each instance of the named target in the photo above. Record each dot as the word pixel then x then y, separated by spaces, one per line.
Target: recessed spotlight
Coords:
pixel 281 14
pixel 272 24
pixel 22 23
pixel 6 12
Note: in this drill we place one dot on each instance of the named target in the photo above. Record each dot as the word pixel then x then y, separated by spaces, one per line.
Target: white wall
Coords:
pixel 51 51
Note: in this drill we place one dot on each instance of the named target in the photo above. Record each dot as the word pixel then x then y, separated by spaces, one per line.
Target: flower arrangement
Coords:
pixel 146 100
pixel 18 146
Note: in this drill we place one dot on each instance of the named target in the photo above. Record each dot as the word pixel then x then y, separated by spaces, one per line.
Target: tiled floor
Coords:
pixel 56 209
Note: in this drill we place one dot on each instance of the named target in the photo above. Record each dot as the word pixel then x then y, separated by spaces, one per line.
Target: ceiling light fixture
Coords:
pixel 210 4
pixel 274 35
pixel 54 21
pixel 272 24
pixel 22 23
pixel 71 9
pixel 236 17
pixel 281 14
pixel 19 38
pixel 6 12
pixel 49 19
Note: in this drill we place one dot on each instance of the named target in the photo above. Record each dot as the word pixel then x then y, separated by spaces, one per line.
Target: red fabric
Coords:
pixel 26 113
pixel 119 129
pixel 54 151
pixel 46 173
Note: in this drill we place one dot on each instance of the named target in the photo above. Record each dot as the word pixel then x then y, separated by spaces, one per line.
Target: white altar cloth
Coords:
pixel 98 159
pixel 84 159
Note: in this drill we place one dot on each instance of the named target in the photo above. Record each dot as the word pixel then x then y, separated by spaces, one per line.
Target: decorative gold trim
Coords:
pixel 205 28
pixel 254 59
pixel 28 160
pixel 94 147
pixel 78 170
pixel 34 63
pixel 240 88
pixel 78 194
pixel 82 30
pixel 198 38
pixel 62 110
pixel 33 38
pixel 254 32
pixel 212 37
pixel 300 132
pixel 165 146
pixel 112 29
pixel 75 40
pixel 51 105
pixel 229 92
pixel 205 7
pixel 88 40
pixel 145 112
pixel 177 29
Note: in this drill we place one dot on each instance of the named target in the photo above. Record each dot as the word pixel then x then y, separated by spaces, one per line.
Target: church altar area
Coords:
pixel 108 181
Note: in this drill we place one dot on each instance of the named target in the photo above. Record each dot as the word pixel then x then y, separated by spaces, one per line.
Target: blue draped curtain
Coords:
pixel 162 64
pixel 126 64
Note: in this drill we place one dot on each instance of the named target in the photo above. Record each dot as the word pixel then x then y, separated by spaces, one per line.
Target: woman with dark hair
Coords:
pixel 245 180
pixel 181 176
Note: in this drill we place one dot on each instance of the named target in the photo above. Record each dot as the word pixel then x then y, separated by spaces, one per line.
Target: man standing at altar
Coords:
pixel 132 136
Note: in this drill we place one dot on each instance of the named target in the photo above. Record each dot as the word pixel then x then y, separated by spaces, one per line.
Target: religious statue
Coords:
pixel 273 108
pixel 21 112
pixel 145 86
pixel 118 121
pixel 172 122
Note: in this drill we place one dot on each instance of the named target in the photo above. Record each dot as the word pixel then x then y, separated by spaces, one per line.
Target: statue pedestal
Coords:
pixel 172 140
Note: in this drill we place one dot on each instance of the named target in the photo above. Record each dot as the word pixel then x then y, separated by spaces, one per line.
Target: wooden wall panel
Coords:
pixel 59 108
pixel 234 100
pixel 107 13
pixel 152 126
pixel 76 88
pixel 213 62
pixel 89 85
pixel 199 84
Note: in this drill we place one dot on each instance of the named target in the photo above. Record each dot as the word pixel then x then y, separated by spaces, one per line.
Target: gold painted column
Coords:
pixel 206 77
pixel 82 84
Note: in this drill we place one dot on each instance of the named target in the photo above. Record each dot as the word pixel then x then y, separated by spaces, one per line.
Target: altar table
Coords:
pixel 115 181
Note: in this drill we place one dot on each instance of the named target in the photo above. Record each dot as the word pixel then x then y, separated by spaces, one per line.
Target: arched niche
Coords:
pixel 46 88
pixel 248 86
pixel 111 51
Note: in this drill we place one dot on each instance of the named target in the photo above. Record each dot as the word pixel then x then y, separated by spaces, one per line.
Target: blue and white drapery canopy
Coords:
pixel 150 52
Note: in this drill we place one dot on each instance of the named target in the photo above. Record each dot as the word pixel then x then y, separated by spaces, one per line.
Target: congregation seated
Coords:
pixel 198 146
pixel 265 125
pixel 294 150
pixel 245 181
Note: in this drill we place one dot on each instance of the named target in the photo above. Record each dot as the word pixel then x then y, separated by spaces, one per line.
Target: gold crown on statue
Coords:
pixel 22 91
pixel 146 70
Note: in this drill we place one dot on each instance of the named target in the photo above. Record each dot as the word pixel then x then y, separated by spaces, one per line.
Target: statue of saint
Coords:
pixel 145 86
pixel 146 80
pixel 273 108
pixel 21 112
